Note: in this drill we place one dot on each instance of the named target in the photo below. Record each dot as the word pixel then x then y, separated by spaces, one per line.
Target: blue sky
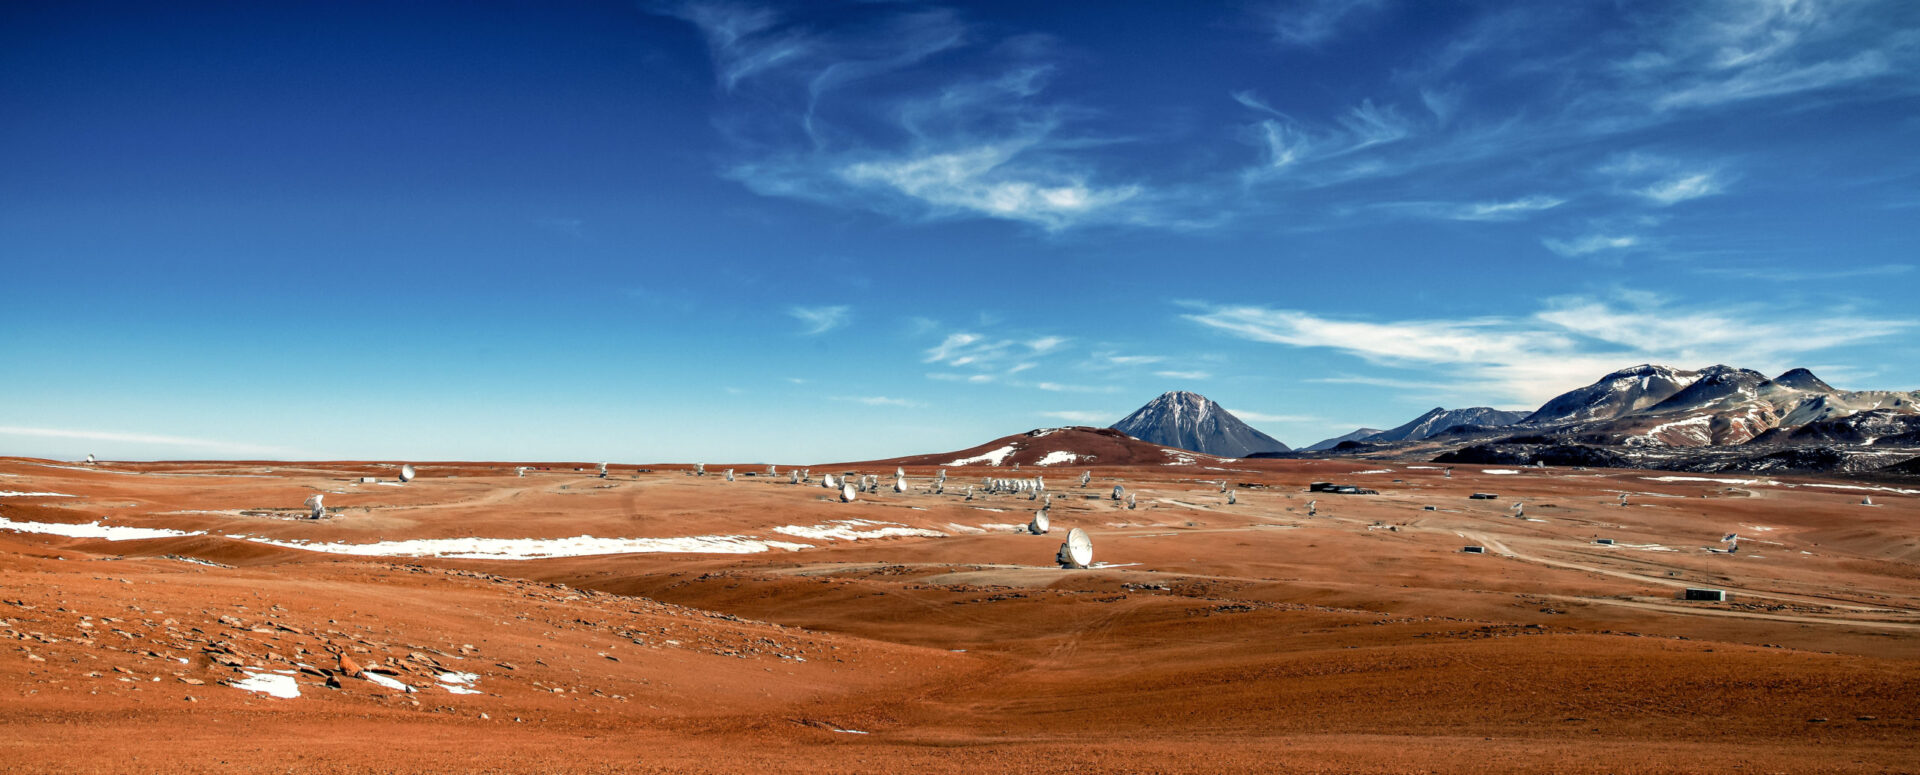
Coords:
pixel 735 231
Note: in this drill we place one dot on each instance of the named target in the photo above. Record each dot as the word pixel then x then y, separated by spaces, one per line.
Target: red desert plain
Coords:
pixel 188 617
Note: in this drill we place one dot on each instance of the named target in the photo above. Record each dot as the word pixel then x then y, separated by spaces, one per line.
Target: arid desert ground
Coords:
pixel 757 625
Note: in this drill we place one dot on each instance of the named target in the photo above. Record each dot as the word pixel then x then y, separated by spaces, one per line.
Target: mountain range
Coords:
pixel 1716 418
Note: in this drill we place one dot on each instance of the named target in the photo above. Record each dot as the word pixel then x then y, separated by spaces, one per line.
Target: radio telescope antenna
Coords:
pixel 1086 477
pixel 1118 491
pixel 1077 552
pixel 1623 499
pixel 847 493
pixel 1039 524
pixel 729 474
pixel 773 470
pixel 1223 485
pixel 314 509
pixel 969 492
pixel 520 471
pixel 406 472
pixel 1230 499
pixel 699 469
pixel 1311 507
pixel 90 460
pixel 793 476
pixel 900 484
pixel 1130 502
pixel 603 470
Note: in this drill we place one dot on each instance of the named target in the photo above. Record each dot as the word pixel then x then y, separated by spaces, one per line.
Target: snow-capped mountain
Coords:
pixel 1438 420
pixel 1719 418
pixel 1620 393
pixel 1722 405
pixel 1326 444
pixel 1192 421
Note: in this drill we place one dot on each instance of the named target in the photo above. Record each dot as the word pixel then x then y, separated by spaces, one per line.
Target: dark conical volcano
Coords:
pixel 1193 422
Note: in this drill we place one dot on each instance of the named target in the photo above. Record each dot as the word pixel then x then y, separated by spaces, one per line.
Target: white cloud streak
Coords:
pixel 1569 342
pixel 819 320
pixel 1589 244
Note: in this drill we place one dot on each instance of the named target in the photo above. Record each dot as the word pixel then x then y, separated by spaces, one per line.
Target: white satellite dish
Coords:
pixel 603 470
pixel 1086 477
pixel 1223 485
pixel 969 492
pixel 1039 524
pixel 1448 472
pixel 520 471
pixel 1623 499
pixel 314 509
pixel 1867 501
pixel 1311 505
pixel 793 477
pixel 1118 491
pixel 729 474
pixel 1077 552
pixel 826 480
pixel 899 473
pixel 1130 503
pixel 406 472
pixel 1519 509
pixel 90 460
pixel 773 470
pixel 900 484
pixel 699 469
pixel 1230 499
pixel 847 494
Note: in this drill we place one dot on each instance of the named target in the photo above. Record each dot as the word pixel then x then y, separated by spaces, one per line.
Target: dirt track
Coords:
pixel 1242 637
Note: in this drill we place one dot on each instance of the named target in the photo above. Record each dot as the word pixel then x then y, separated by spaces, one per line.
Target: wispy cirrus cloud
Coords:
pixel 1195 375
pixel 819 320
pixel 1682 188
pixel 1313 22
pixel 1590 243
pixel 831 119
pixel 1569 341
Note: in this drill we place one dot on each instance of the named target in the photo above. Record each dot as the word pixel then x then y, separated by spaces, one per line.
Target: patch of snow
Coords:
pixel 459 683
pixel 1056 457
pixel 1374 471
pixel 1681 426
pixel 1425 468
pixel 1000 527
pixel 275 684
pixel 387 681
pixel 1703 479
pixel 852 530
pixel 1860 487
pixel 993 458
pixel 1498 471
pixel 13 494
pixel 536 548
pixel 93 530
